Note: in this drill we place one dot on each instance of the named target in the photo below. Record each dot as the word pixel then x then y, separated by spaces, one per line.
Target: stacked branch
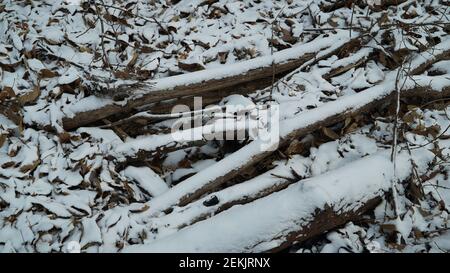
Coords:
pixel 239 77
pixel 303 210
pixel 420 86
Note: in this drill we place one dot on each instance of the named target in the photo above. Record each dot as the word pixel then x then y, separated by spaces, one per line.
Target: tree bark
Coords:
pixel 241 77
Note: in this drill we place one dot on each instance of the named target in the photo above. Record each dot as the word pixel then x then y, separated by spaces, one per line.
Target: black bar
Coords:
pixel 137 263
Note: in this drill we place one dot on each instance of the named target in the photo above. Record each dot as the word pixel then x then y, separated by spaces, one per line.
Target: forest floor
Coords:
pixel 224 126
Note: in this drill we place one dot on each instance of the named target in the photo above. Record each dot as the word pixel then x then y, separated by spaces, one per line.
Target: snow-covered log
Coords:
pixel 299 212
pixel 206 81
pixel 146 146
pixel 425 87
pixel 301 125
pixel 147 179
pixel 269 182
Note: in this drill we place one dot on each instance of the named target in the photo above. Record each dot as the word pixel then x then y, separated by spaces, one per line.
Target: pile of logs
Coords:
pixel 221 186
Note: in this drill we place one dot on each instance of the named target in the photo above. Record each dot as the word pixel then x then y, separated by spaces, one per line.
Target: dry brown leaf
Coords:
pixel 13 111
pixel 410 117
pixel 400 55
pixel 287 36
pixel 438 152
pixel 85 49
pixel 47 73
pixel 146 49
pixel 122 74
pixel 30 96
pixel 417 233
pixel 434 130
pixel 388 228
pixel 7 93
pixel 8 164
pixel 67 88
pixel 2 139
pixel 64 137
pixel 30 167
pixel 415 192
pixel 190 67
pixel 114 19
pixel 142 209
pixel 185 163
pixel 384 19
pixel 396 246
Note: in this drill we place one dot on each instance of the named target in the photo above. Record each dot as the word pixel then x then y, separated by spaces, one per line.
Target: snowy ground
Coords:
pixel 89 185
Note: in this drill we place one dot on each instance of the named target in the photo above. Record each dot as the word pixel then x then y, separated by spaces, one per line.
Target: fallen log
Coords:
pixel 306 122
pixel 184 137
pixel 92 108
pixel 228 123
pixel 282 175
pixel 153 143
pixel 301 211
pixel 272 181
pixel 162 110
pixel 148 148
pixel 159 111
pixel 224 170
pixel 344 65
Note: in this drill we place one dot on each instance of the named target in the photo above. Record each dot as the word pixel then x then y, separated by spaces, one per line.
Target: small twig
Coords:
pixel 102 26
pixel 351 20
pixel 271 52
pixel 313 19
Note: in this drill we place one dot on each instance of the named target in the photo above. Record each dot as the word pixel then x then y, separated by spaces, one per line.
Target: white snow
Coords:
pixel 147 179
